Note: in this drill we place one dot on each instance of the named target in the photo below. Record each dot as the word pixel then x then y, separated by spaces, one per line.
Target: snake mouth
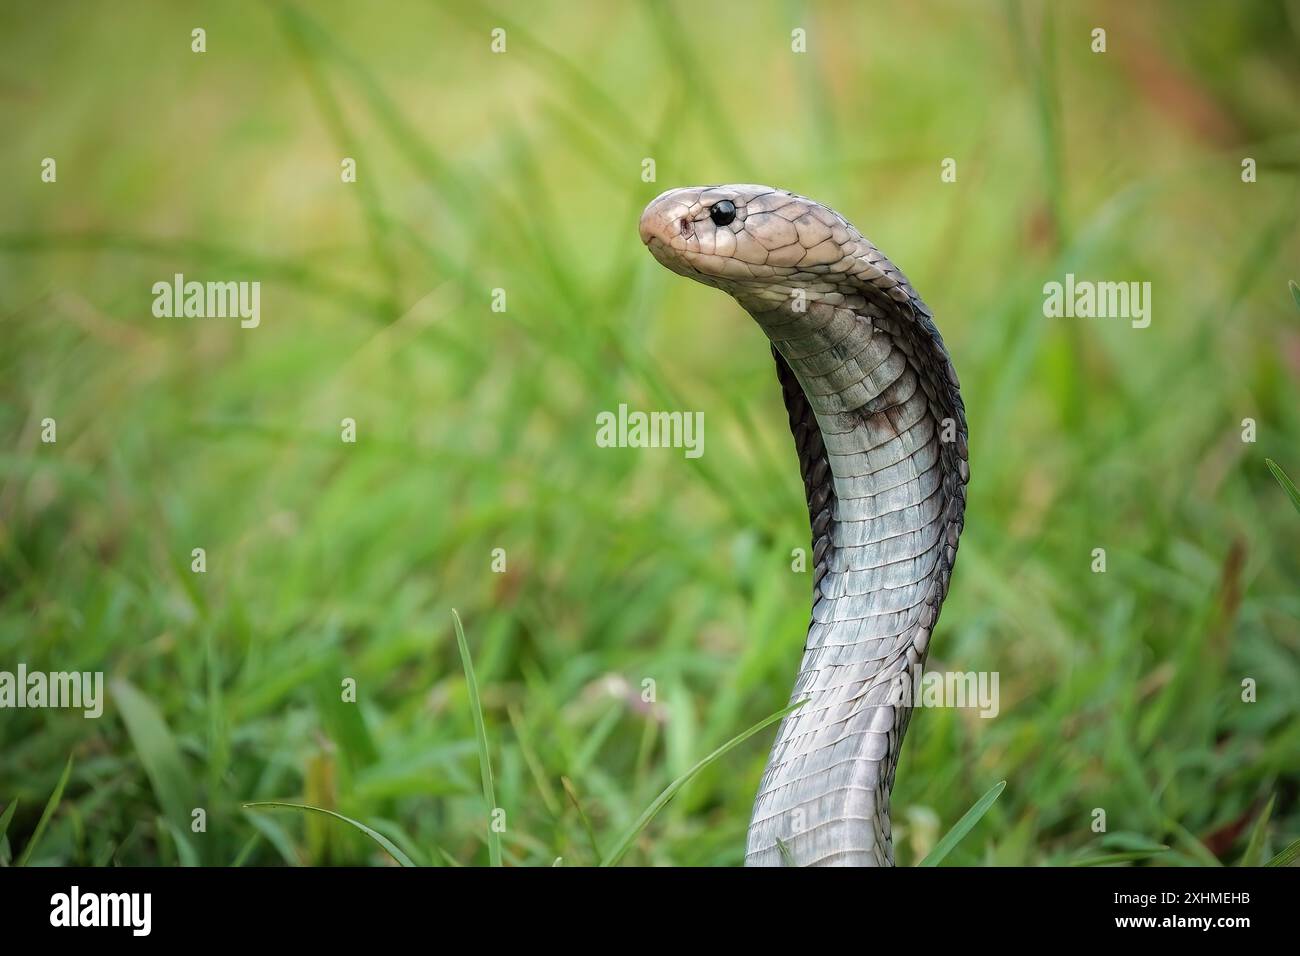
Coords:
pixel 669 218
pixel 671 234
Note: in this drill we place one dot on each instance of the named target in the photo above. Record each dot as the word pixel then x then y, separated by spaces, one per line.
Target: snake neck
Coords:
pixel 880 431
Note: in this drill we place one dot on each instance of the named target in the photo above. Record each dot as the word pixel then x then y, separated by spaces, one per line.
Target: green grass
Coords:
pixel 480 738
pixel 625 841
pixel 1284 480
pixel 401 858
pixel 647 610
pixel 963 826
pixel 50 807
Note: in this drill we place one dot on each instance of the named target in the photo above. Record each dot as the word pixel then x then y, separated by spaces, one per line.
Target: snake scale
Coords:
pixel 880 431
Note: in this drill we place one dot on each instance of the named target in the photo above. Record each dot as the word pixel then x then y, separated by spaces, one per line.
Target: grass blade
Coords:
pixel 1254 854
pixel 1287 856
pixel 249 846
pixel 6 817
pixel 159 755
pixel 275 835
pixel 787 858
pixel 389 847
pixel 1287 484
pixel 1124 857
pixel 185 852
pixel 625 842
pixel 1191 844
pixel 963 826
pixel 447 858
pixel 480 734
pixel 582 815
pixel 50 806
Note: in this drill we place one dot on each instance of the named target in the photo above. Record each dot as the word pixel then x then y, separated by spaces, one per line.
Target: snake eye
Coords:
pixel 723 212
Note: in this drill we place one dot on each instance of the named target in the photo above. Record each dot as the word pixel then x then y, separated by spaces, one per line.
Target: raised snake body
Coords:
pixel 880 430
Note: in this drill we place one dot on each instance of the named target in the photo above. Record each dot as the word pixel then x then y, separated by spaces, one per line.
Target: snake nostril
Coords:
pixel 685 227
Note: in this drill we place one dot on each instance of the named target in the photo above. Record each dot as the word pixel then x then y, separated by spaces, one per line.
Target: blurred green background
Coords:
pixel 475 429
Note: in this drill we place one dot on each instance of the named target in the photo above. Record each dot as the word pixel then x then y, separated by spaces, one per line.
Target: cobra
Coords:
pixel 880 431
